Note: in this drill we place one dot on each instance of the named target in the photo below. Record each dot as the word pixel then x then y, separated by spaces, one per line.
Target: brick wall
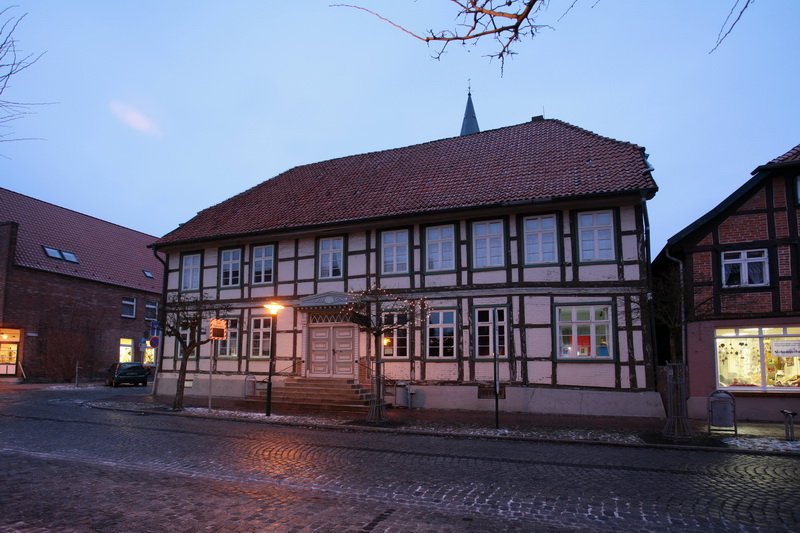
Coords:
pixel 70 319
pixel 702 267
pixel 744 228
pixel 750 302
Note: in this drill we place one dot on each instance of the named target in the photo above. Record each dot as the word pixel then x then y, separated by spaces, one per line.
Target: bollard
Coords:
pixel 788 422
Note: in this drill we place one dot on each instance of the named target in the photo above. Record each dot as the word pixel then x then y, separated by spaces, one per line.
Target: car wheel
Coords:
pixel 144 383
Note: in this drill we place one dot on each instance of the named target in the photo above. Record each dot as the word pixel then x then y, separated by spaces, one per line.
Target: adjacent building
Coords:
pixel 74 291
pixel 739 269
pixel 529 244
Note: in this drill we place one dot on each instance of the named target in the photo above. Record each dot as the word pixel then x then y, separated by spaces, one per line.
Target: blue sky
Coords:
pixel 156 110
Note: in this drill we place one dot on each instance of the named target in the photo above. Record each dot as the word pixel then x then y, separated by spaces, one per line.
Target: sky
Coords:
pixel 147 112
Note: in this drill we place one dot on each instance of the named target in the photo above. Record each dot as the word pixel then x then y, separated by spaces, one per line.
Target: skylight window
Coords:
pixel 69 256
pixel 55 253
pixel 148 274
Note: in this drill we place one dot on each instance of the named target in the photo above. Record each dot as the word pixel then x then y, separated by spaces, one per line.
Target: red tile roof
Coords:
pixel 106 253
pixel 539 160
pixel 791 156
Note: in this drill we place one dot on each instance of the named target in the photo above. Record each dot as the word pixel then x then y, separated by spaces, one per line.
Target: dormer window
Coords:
pixel 69 256
pixel 147 274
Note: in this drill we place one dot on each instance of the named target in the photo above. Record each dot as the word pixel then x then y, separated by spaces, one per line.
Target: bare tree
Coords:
pixel 379 312
pixel 13 60
pixel 184 319
pixel 506 22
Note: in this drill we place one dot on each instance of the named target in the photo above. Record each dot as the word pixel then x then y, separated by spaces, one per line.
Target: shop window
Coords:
pixel 758 358
pixel 125 350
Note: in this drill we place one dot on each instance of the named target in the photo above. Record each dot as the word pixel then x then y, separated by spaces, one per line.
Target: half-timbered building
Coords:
pixel 529 244
pixel 739 266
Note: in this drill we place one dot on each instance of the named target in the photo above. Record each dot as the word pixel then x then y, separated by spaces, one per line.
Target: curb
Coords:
pixel 347 427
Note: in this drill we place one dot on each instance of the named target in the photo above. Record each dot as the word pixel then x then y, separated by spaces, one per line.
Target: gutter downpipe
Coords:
pixel 683 303
pixel 677 426
pixel 161 318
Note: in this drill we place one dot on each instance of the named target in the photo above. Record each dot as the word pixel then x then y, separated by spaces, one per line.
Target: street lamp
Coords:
pixel 273 309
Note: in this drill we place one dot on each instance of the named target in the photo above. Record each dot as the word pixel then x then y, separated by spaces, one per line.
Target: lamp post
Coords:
pixel 273 309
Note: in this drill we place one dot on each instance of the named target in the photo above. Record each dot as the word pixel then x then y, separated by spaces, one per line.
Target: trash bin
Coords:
pixel 722 412
pixel 401 394
pixel 249 386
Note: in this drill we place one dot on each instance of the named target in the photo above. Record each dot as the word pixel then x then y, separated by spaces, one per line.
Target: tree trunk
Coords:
pixel 177 403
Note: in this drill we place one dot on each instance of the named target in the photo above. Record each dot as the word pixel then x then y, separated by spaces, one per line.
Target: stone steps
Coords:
pixel 317 395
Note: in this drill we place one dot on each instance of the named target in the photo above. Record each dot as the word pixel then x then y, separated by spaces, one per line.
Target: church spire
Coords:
pixel 470 123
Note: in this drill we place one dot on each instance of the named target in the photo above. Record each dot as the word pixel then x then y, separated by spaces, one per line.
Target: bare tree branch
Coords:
pixel 12 62
pixel 479 19
pixel 721 36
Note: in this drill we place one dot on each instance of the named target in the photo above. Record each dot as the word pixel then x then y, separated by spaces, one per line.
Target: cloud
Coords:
pixel 133 118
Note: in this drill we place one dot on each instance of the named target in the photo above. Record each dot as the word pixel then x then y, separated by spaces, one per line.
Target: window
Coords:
pixel 151 310
pixel 491 332
pixel 595 232
pixel 230 268
pixel 395 342
pixel 129 307
pixel 190 272
pixel 69 256
pixel 441 334
pixel 230 346
pixel 125 350
pixel 745 268
pixel 540 239
pixel 53 253
pixel 147 274
pixel 184 332
pixel 330 257
pixel 440 248
pixel 487 244
pixel 263 262
pixel 756 358
pixel 261 337
pixel 584 331
pixel 394 252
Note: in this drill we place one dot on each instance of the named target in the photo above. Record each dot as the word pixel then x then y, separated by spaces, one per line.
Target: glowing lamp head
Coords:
pixel 387 341
pixel 273 308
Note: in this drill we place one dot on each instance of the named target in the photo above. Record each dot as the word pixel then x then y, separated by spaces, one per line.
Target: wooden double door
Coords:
pixel 333 351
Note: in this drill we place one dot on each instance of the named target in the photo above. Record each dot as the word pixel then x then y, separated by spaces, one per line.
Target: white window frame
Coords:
pixel 230 267
pixel 184 333
pixel 744 259
pixel 331 252
pixel 394 252
pixel 150 308
pixel 263 264
pixel 191 268
pixel 397 346
pixel 491 332
pixel 229 347
pixel 128 303
pixel 488 251
pixel 261 337
pixel 593 234
pixel 539 238
pixel 436 328
pixel 581 325
pixel 438 246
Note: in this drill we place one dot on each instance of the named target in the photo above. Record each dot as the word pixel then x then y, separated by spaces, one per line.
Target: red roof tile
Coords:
pixel 106 253
pixel 791 156
pixel 537 160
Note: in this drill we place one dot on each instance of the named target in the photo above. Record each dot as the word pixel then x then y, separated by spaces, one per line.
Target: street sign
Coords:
pixel 154 342
pixel 219 329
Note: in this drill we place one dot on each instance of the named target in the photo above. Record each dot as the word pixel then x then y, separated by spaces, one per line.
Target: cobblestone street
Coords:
pixel 69 467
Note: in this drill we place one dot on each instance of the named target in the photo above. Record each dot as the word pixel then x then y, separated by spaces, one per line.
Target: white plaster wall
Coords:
pixel 542 273
pixel 398 282
pixel 489 276
pixel 585 374
pixel 630 250
pixel 285 249
pixel 173 279
pixel 627 217
pixel 484 371
pixel 540 342
pixel 306 247
pixel 228 294
pixel 262 291
pixel 605 272
pixel 441 371
pixel 227 365
pixel 537 309
pixel 440 280
pixel 540 372
pixel 357 241
pixel 397 370
pixel 303 289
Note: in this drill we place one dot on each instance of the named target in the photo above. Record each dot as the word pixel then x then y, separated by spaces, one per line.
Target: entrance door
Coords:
pixel 9 348
pixel 333 350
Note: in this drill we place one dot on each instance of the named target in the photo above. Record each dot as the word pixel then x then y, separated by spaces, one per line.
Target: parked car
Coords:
pixel 134 373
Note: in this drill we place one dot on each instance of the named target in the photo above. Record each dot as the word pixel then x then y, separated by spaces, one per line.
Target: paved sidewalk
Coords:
pixel 752 436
